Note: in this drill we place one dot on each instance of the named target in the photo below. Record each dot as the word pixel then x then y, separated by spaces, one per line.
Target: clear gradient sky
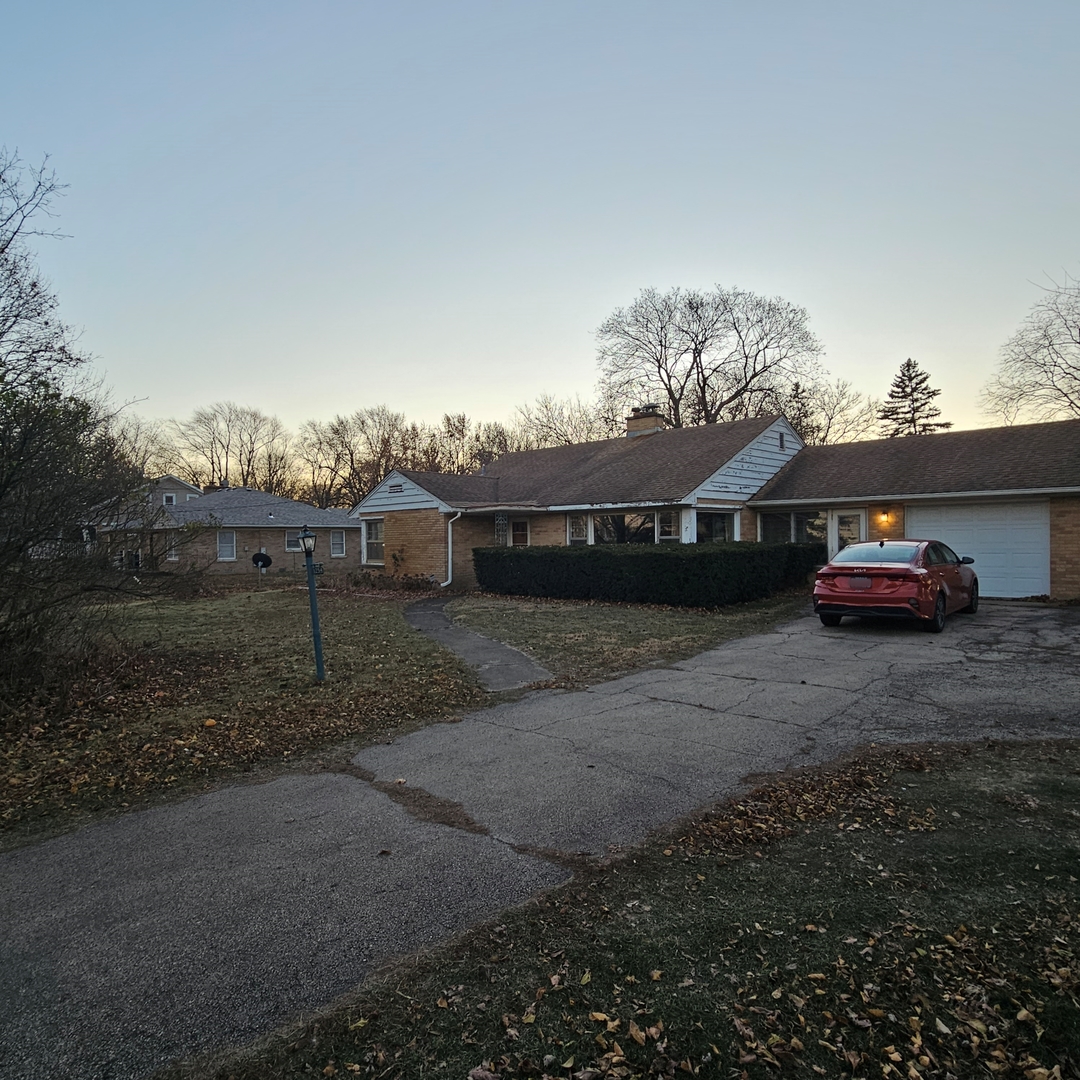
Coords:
pixel 312 207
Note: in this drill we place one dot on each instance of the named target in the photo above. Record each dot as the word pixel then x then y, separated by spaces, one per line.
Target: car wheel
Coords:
pixel 830 620
pixel 974 605
pixel 936 623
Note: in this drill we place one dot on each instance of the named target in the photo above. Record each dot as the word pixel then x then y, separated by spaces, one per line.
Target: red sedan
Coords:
pixel 913 579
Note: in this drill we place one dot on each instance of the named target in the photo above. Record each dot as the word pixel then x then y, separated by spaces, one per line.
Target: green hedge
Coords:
pixel 684 575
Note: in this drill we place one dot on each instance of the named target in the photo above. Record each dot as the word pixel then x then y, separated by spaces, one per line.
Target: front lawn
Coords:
pixel 910 915
pixel 583 641
pixel 195 692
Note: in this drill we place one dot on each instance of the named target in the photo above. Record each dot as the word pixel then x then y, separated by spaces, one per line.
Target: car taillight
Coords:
pixel 827 579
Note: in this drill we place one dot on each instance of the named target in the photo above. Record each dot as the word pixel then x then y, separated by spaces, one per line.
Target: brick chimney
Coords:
pixel 644 420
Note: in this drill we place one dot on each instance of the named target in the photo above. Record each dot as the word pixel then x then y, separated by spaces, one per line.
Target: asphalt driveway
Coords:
pixel 195 926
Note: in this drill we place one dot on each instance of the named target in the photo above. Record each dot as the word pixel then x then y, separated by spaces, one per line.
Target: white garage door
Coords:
pixel 1010 542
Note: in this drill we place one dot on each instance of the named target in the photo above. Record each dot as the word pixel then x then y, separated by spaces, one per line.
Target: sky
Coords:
pixel 312 208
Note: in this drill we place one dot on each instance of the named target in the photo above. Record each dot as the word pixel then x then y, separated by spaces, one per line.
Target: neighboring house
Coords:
pixel 222 530
pixel 171 525
pixel 136 528
pixel 170 490
pixel 1009 497
pixel 680 485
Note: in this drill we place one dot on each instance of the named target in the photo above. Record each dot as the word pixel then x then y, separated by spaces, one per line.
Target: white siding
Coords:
pixel 410 497
pixel 757 463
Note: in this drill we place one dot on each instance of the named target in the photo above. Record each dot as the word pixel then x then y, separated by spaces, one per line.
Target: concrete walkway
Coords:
pixel 500 667
pixel 203 924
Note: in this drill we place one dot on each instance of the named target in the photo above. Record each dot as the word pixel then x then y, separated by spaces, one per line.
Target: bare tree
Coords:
pixel 1039 374
pixel 228 443
pixel 60 462
pixel 706 357
pixel 552 421
pixel 829 412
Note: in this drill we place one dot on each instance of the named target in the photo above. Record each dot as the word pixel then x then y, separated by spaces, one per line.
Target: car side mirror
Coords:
pixel 967 560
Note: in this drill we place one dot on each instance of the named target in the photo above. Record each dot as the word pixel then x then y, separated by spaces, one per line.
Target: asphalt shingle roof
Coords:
pixel 1022 457
pixel 662 467
pixel 246 508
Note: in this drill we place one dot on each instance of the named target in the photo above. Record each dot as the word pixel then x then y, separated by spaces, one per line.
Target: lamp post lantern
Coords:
pixel 307 542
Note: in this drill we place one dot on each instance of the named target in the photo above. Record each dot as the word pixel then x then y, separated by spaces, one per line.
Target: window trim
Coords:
pixel 168 499
pixel 570 538
pixel 220 534
pixel 365 559
pixel 298 549
pixel 337 554
pixel 528 532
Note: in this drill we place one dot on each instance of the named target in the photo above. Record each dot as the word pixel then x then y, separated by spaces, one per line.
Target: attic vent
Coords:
pixel 394 489
pixel 782 447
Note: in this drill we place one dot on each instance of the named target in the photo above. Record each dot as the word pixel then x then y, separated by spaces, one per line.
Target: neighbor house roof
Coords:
pixel 1025 457
pixel 662 467
pixel 246 508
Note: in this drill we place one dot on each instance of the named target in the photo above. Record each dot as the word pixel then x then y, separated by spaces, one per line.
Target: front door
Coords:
pixel 845 527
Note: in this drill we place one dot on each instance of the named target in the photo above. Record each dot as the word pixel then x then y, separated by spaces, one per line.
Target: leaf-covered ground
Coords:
pixel 197 691
pixel 912 914
pixel 582 641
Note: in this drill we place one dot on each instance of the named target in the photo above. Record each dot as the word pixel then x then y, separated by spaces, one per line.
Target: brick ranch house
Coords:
pixel 176 526
pixel 1010 497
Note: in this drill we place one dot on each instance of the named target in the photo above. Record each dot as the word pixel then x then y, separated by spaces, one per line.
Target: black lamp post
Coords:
pixel 307 542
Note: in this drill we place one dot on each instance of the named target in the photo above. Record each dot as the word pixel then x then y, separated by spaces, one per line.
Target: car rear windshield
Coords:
pixel 876 553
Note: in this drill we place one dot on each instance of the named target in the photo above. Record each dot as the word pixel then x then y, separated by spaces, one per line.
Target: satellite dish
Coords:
pixel 261 560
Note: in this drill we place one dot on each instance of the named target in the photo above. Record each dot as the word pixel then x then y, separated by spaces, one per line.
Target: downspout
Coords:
pixel 449 551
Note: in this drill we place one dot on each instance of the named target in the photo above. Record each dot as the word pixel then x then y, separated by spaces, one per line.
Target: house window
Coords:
pixel 226 545
pixel 292 540
pixel 776 528
pixel 811 527
pixel 624 528
pixel 337 543
pixel 577 529
pixel 502 524
pixel 133 560
pixel 668 521
pixel 168 500
pixel 190 497
pixel 519 534
pixel 715 528
pixel 374 547
pixel 172 547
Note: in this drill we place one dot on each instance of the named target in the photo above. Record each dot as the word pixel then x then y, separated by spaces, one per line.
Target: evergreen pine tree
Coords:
pixel 909 409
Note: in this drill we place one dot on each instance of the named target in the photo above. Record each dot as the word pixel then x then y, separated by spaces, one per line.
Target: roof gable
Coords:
pixel 664 467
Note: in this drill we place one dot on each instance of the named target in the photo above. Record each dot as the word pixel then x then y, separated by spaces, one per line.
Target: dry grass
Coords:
pixel 583 641
pixel 194 692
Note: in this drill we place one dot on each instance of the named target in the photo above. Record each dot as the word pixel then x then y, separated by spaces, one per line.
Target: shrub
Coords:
pixel 683 575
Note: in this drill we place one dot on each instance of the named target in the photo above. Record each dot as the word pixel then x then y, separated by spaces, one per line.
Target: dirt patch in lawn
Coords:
pixel 583 641
pixel 909 914
pixel 195 692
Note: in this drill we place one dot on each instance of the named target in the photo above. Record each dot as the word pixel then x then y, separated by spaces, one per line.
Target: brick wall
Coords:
pixel 876 529
pixel 470 532
pixel 547 530
pixel 199 551
pixel 1065 548
pixel 748 525
pixel 415 543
